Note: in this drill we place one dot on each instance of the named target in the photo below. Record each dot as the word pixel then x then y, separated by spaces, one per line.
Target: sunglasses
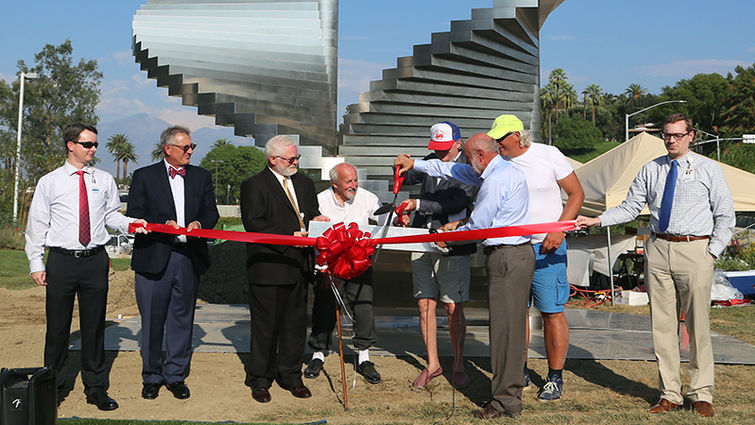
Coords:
pixel 185 148
pixel 505 136
pixel 87 145
pixel 290 160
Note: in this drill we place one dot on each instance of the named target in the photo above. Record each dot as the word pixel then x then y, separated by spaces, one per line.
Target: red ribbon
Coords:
pixel 345 250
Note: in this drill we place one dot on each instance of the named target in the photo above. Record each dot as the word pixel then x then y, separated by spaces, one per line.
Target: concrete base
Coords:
pixel 594 334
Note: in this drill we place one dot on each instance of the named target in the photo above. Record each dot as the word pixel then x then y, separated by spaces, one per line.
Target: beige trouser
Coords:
pixel 679 276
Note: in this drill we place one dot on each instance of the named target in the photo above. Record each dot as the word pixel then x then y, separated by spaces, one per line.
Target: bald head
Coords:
pixel 480 149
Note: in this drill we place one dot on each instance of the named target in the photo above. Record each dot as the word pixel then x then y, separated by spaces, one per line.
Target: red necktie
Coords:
pixel 173 171
pixel 84 236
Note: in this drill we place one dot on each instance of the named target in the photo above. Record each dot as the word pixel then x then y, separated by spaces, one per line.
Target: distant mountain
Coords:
pixel 143 130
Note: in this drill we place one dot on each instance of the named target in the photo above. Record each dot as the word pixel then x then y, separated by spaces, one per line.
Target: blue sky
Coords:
pixel 609 42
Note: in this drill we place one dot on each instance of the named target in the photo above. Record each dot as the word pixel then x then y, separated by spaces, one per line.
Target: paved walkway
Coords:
pixel 594 335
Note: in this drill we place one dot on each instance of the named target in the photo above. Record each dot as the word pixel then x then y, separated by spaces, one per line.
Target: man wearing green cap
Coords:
pixel 547 172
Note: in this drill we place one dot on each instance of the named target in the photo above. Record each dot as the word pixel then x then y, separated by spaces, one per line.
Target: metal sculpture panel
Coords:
pixel 265 67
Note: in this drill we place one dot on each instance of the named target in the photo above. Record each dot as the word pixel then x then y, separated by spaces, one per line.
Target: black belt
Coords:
pixel 679 238
pixel 77 253
pixel 490 248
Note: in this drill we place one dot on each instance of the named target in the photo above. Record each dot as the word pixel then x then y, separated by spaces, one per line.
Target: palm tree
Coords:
pixel 558 78
pixel 158 152
pixel 635 91
pixel 595 94
pixel 115 146
pixel 584 104
pixel 220 143
pixel 127 154
pixel 548 102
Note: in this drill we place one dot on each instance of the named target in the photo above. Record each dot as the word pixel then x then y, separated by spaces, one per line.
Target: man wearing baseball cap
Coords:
pixel 547 172
pixel 441 276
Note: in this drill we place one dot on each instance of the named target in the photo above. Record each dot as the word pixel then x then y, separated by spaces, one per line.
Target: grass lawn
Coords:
pixel 599 149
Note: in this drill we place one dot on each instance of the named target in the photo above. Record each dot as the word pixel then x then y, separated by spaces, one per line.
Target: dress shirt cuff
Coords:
pixel 36 265
pixel 420 165
pixel 715 248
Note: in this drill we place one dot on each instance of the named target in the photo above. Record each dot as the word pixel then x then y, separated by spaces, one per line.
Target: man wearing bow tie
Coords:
pixel 168 267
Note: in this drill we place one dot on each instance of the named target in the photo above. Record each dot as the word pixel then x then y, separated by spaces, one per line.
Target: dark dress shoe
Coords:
pixel 367 369
pixel 313 369
pixel 664 405
pixel 179 390
pixel 490 412
pixel 150 391
pixel 703 408
pixel 300 391
pixel 261 395
pixel 102 401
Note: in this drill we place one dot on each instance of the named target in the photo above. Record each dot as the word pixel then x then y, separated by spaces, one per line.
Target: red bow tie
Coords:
pixel 173 171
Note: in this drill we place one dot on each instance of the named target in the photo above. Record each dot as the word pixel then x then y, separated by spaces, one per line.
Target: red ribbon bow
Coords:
pixel 345 251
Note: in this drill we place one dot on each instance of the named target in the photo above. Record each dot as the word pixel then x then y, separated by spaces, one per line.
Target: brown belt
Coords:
pixel 679 238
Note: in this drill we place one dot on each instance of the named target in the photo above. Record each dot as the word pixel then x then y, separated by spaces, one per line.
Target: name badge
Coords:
pixel 688 175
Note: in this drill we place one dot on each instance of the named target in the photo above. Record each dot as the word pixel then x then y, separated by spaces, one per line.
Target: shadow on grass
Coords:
pixel 593 371
pixel 72 368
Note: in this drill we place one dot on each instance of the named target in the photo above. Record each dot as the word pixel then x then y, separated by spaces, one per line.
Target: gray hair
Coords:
pixel 276 146
pixel 168 135
pixel 525 138
pixel 333 173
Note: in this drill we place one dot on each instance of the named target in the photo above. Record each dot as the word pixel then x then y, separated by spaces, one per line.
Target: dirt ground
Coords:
pixel 219 394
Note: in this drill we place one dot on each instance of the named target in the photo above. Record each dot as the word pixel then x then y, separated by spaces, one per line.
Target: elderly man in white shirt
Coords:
pixel 345 202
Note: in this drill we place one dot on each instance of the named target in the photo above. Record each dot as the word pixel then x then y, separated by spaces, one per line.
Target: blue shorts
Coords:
pixel 550 288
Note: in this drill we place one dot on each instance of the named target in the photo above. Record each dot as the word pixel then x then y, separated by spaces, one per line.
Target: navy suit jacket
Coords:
pixel 265 208
pixel 150 198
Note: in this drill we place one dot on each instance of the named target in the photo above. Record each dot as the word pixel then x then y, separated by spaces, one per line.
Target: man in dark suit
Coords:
pixel 168 267
pixel 278 200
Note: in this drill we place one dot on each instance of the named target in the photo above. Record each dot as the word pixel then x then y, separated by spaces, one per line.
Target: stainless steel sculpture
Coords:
pixel 269 67
pixel 265 67
pixel 482 67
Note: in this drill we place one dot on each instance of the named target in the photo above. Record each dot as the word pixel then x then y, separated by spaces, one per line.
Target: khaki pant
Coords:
pixel 679 276
pixel 510 271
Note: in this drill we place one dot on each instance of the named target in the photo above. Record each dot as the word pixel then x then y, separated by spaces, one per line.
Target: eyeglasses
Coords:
pixel 505 136
pixel 676 136
pixel 185 148
pixel 290 160
pixel 87 145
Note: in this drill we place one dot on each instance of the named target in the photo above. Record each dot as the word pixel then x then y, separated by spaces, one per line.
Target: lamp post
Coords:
pixel 23 76
pixel 717 140
pixel 626 116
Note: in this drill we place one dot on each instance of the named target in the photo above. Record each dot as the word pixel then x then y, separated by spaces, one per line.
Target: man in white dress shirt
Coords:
pixel 345 202
pixel 68 214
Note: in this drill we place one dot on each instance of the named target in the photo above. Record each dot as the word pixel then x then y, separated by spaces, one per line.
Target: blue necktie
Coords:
pixel 668 197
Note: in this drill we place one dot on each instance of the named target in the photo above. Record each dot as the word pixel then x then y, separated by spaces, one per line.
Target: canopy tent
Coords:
pixel 574 163
pixel 606 179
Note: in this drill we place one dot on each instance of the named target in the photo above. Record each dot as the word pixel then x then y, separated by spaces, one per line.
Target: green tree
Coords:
pixel 548 104
pixel 594 94
pixel 576 134
pixel 635 91
pixel 704 95
pixel 220 143
pixel 115 146
pixel 739 106
pixel 127 155
pixel 238 163
pixel 65 91
pixel 158 153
